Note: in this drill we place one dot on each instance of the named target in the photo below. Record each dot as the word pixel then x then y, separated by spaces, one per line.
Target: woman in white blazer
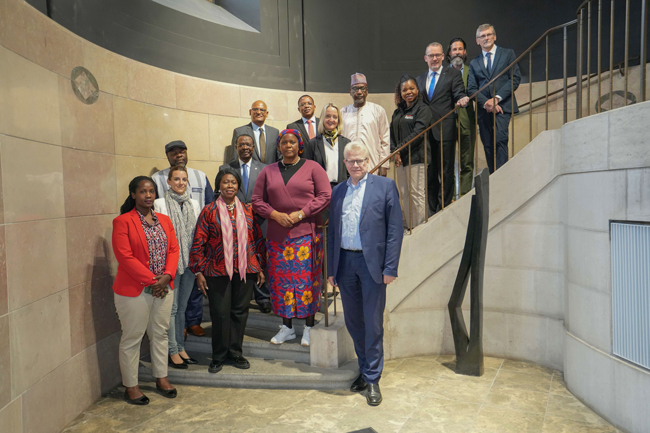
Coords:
pixel 183 212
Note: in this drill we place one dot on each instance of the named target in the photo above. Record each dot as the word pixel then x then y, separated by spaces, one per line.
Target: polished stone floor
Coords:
pixel 421 394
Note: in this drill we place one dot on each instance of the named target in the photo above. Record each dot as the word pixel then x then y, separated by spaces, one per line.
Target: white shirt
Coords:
pixel 256 133
pixel 430 77
pixel 332 159
pixel 369 125
pixel 306 123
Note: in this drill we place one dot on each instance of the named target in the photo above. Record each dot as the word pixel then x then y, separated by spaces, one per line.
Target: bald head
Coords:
pixel 258 113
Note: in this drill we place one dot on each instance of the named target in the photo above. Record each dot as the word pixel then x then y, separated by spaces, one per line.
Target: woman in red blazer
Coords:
pixel 146 250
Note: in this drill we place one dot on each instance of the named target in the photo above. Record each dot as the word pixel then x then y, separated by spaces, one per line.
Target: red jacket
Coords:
pixel 132 254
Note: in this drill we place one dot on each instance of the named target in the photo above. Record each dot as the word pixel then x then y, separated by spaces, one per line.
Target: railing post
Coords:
pixel 530 96
pixel 478 137
pixel 564 79
pixel 579 66
pixel 457 182
pixel 426 179
pixel 611 59
pixel 494 127
pixel 546 122
pixel 408 171
pixel 442 170
pixel 600 31
pixel 589 59
pixel 512 109
pixel 627 47
pixel 643 48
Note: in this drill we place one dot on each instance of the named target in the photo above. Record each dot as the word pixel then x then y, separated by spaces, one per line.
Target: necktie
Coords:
pixel 262 146
pixel 489 63
pixel 432 84
pixel 244 178
pixel 311 129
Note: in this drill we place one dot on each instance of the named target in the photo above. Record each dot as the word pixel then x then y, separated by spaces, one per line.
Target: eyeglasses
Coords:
pixel 353 162
pixel 485 36
pixel 258 110
pixel 435 56
pixel 357 88
pixel 305 104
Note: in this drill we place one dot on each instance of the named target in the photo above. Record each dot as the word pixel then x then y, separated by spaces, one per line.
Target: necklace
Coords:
pixel 289 165
pixel 231 207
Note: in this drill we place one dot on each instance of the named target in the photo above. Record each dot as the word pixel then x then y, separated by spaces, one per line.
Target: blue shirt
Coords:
pixel 350 236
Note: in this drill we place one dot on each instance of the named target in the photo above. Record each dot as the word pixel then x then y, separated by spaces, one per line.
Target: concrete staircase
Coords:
pixel 284 366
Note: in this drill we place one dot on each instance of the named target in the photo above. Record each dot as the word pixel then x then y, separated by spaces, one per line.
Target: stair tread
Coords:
pixel 254 337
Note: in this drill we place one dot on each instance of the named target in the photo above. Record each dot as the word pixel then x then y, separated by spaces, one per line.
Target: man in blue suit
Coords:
pixel 499 98
pixel 363 248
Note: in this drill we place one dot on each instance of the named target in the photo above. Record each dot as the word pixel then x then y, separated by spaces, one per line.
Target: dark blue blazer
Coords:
pixel 479 77
pixel 380 226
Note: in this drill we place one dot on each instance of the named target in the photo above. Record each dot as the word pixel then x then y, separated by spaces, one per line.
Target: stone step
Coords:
pixel 257 343
pixel 257 319
pixel 263 374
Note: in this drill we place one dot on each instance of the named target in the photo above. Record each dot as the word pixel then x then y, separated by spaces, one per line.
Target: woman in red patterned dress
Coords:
pixel 225 228
pixel 291 194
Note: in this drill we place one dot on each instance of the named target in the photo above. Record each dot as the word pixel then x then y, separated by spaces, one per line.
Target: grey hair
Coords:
pixel 456 62
pixel 434 44
pixel 355 145
pixel 485 27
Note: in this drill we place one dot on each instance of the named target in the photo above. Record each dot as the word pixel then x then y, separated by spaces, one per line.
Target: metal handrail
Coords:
pixel 527 51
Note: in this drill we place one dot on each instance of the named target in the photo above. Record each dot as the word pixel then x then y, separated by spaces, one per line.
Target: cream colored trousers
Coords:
pixel 138 315
pixel 418 203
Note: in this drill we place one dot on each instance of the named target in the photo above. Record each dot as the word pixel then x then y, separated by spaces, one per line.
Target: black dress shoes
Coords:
pixel 265 307
pixel 373 397
pixel 359 384
pixel 189 361
pixel 140 401
pixel 172 364
pixel 169 393
pixel 239 362
pixel 215 367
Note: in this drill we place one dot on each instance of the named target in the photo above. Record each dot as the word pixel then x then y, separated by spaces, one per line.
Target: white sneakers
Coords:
pixel 305 336
pixel 283 335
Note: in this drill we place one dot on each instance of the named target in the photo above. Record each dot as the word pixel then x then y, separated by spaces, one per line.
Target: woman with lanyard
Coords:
pixel 228 256
pixel 291 194
pixel 146 250
pixel 327 147
pixel 183 211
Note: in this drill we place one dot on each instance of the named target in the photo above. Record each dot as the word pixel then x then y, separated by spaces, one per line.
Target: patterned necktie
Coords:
pixel 262 146
pixel 489 63
pixel 432 84
pixel 311 129
pixel 244 178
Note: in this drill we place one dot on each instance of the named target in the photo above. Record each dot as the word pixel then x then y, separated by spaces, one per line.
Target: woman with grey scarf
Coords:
pixel 183 211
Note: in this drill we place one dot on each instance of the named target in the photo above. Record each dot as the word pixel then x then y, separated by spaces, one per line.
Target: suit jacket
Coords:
pixel 272 153
pixel 300 126
pixel 449 89
pixel 255 169
pixel 132 253
pixel 315 150
pixel 467 114
pixel 479 77
pixel 380 227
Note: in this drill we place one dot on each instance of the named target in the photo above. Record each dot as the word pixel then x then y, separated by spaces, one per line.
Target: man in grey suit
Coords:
pixel 307 125
pixel 497 103
pixel 249 170
pixel 265 137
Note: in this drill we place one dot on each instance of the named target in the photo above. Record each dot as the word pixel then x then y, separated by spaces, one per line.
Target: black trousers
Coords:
pixel 229 302
pixel 434 176
pixel 486 130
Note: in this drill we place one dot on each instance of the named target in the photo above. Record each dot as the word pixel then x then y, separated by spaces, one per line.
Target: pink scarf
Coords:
pixel 227 238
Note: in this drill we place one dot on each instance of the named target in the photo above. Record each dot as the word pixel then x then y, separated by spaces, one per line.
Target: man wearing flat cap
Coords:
pixel 367 123
pixel 201 191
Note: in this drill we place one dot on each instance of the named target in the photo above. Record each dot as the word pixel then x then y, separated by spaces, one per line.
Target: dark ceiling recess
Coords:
pixel 246 10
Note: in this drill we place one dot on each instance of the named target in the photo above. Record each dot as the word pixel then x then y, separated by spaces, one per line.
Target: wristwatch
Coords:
pixel 299 215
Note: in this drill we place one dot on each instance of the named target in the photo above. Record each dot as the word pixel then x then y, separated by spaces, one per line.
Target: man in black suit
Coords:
pixel 498 99
pixel 249 169
pixel 442 90
pixel 265 137
pixel 307 125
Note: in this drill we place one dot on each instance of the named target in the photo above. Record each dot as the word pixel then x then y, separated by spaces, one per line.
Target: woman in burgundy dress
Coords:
pixel 291 194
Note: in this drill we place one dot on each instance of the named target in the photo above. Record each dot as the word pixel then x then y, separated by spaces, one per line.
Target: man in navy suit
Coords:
pixel 498 99
pixel 363 248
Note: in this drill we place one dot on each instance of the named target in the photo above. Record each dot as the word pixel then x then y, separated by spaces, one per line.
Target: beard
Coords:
pixel 462 57
pixel 457 62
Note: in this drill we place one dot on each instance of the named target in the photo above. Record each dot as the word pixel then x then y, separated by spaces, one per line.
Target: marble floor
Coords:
pixel 421 394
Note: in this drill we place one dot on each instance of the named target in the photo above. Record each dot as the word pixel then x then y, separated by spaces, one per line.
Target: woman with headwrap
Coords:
pixel 228 257
pixel 183 211
pixel 291 194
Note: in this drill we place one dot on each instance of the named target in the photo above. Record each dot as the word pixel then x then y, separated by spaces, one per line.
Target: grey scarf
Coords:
pixel 184 222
